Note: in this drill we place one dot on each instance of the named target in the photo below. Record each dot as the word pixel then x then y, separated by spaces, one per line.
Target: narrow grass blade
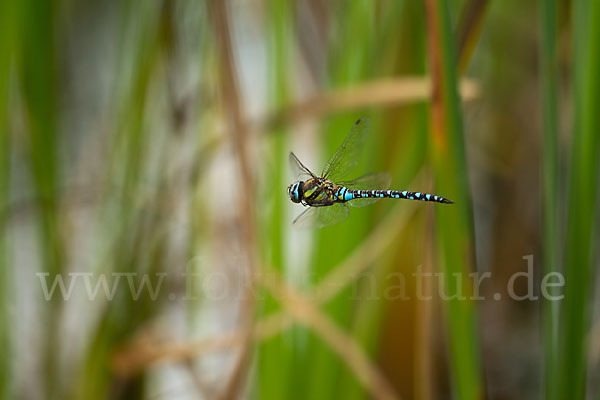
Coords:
pixel 469 30
pixel 7 44
pixel 582 208
pixel 454 223
pixel 549 83
pixel 275 378
pixel 37 70
pixel 348 64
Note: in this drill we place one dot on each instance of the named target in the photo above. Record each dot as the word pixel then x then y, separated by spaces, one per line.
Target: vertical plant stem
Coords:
pixel 549 83
pixel 39 89
pixel 424 373
pixel 454 223
pixel 276 355
pixel 469 30
pixel 348 63
pixel 238 129
pixel 581 240
pixel 7 37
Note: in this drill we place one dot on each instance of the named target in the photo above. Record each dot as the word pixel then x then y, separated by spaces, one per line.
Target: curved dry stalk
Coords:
pixel 375 93
pixel 360 260
pixel 340 276
pixel 305 311
pixel 346 272
pixel 349 269
pixel 300 307
pixel 136 357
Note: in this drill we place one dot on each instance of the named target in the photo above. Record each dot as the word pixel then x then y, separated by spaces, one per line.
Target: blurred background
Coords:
pixel 147 249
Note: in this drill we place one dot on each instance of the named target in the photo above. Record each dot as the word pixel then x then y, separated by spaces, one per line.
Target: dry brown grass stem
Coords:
pixel 137 357
pixel 301 308
pixel 305 311
pixel 148 351
pixel 376 93
pixel 437 110
pixel 239 136
pixel 344 273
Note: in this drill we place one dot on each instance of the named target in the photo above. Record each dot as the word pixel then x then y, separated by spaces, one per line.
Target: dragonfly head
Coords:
pixel 295 191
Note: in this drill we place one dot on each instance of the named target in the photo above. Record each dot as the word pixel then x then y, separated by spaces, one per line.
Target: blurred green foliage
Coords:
pixel 117 156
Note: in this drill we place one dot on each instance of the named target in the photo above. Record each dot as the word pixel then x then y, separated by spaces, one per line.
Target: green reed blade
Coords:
pixel 468 30
pixel 7 48
pixel 275 357
pixel 348 63
pixel 582 208
pixel 401 149
pixel 39 85
pixel 454 223
pixel 550 198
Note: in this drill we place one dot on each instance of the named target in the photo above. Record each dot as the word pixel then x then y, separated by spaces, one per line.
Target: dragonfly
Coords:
pixel 327 196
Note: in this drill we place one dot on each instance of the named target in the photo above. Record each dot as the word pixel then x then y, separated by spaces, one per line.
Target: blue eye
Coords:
pixel 295 192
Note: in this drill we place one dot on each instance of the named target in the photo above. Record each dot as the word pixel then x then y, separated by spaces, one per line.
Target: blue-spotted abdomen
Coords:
pixel 394 194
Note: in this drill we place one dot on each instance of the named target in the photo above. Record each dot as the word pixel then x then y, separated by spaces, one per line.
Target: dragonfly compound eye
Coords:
pixel 295 191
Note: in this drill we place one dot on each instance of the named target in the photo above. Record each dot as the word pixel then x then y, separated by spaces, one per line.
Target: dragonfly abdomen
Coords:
pixel 350 194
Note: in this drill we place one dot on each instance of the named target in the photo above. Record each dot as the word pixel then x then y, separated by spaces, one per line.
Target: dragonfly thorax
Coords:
pixel 296 191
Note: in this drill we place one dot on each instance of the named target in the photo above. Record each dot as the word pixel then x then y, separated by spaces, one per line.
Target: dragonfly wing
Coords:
pixel 363 202
pixel 299 168
pixel 374 181
pixel 319 217
pixel 346 157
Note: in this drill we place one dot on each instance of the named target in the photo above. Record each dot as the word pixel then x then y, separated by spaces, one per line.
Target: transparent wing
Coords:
pixel 298 168
pixel 319 217
pixel 374 181
pixel 363 202
pixel 346 157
